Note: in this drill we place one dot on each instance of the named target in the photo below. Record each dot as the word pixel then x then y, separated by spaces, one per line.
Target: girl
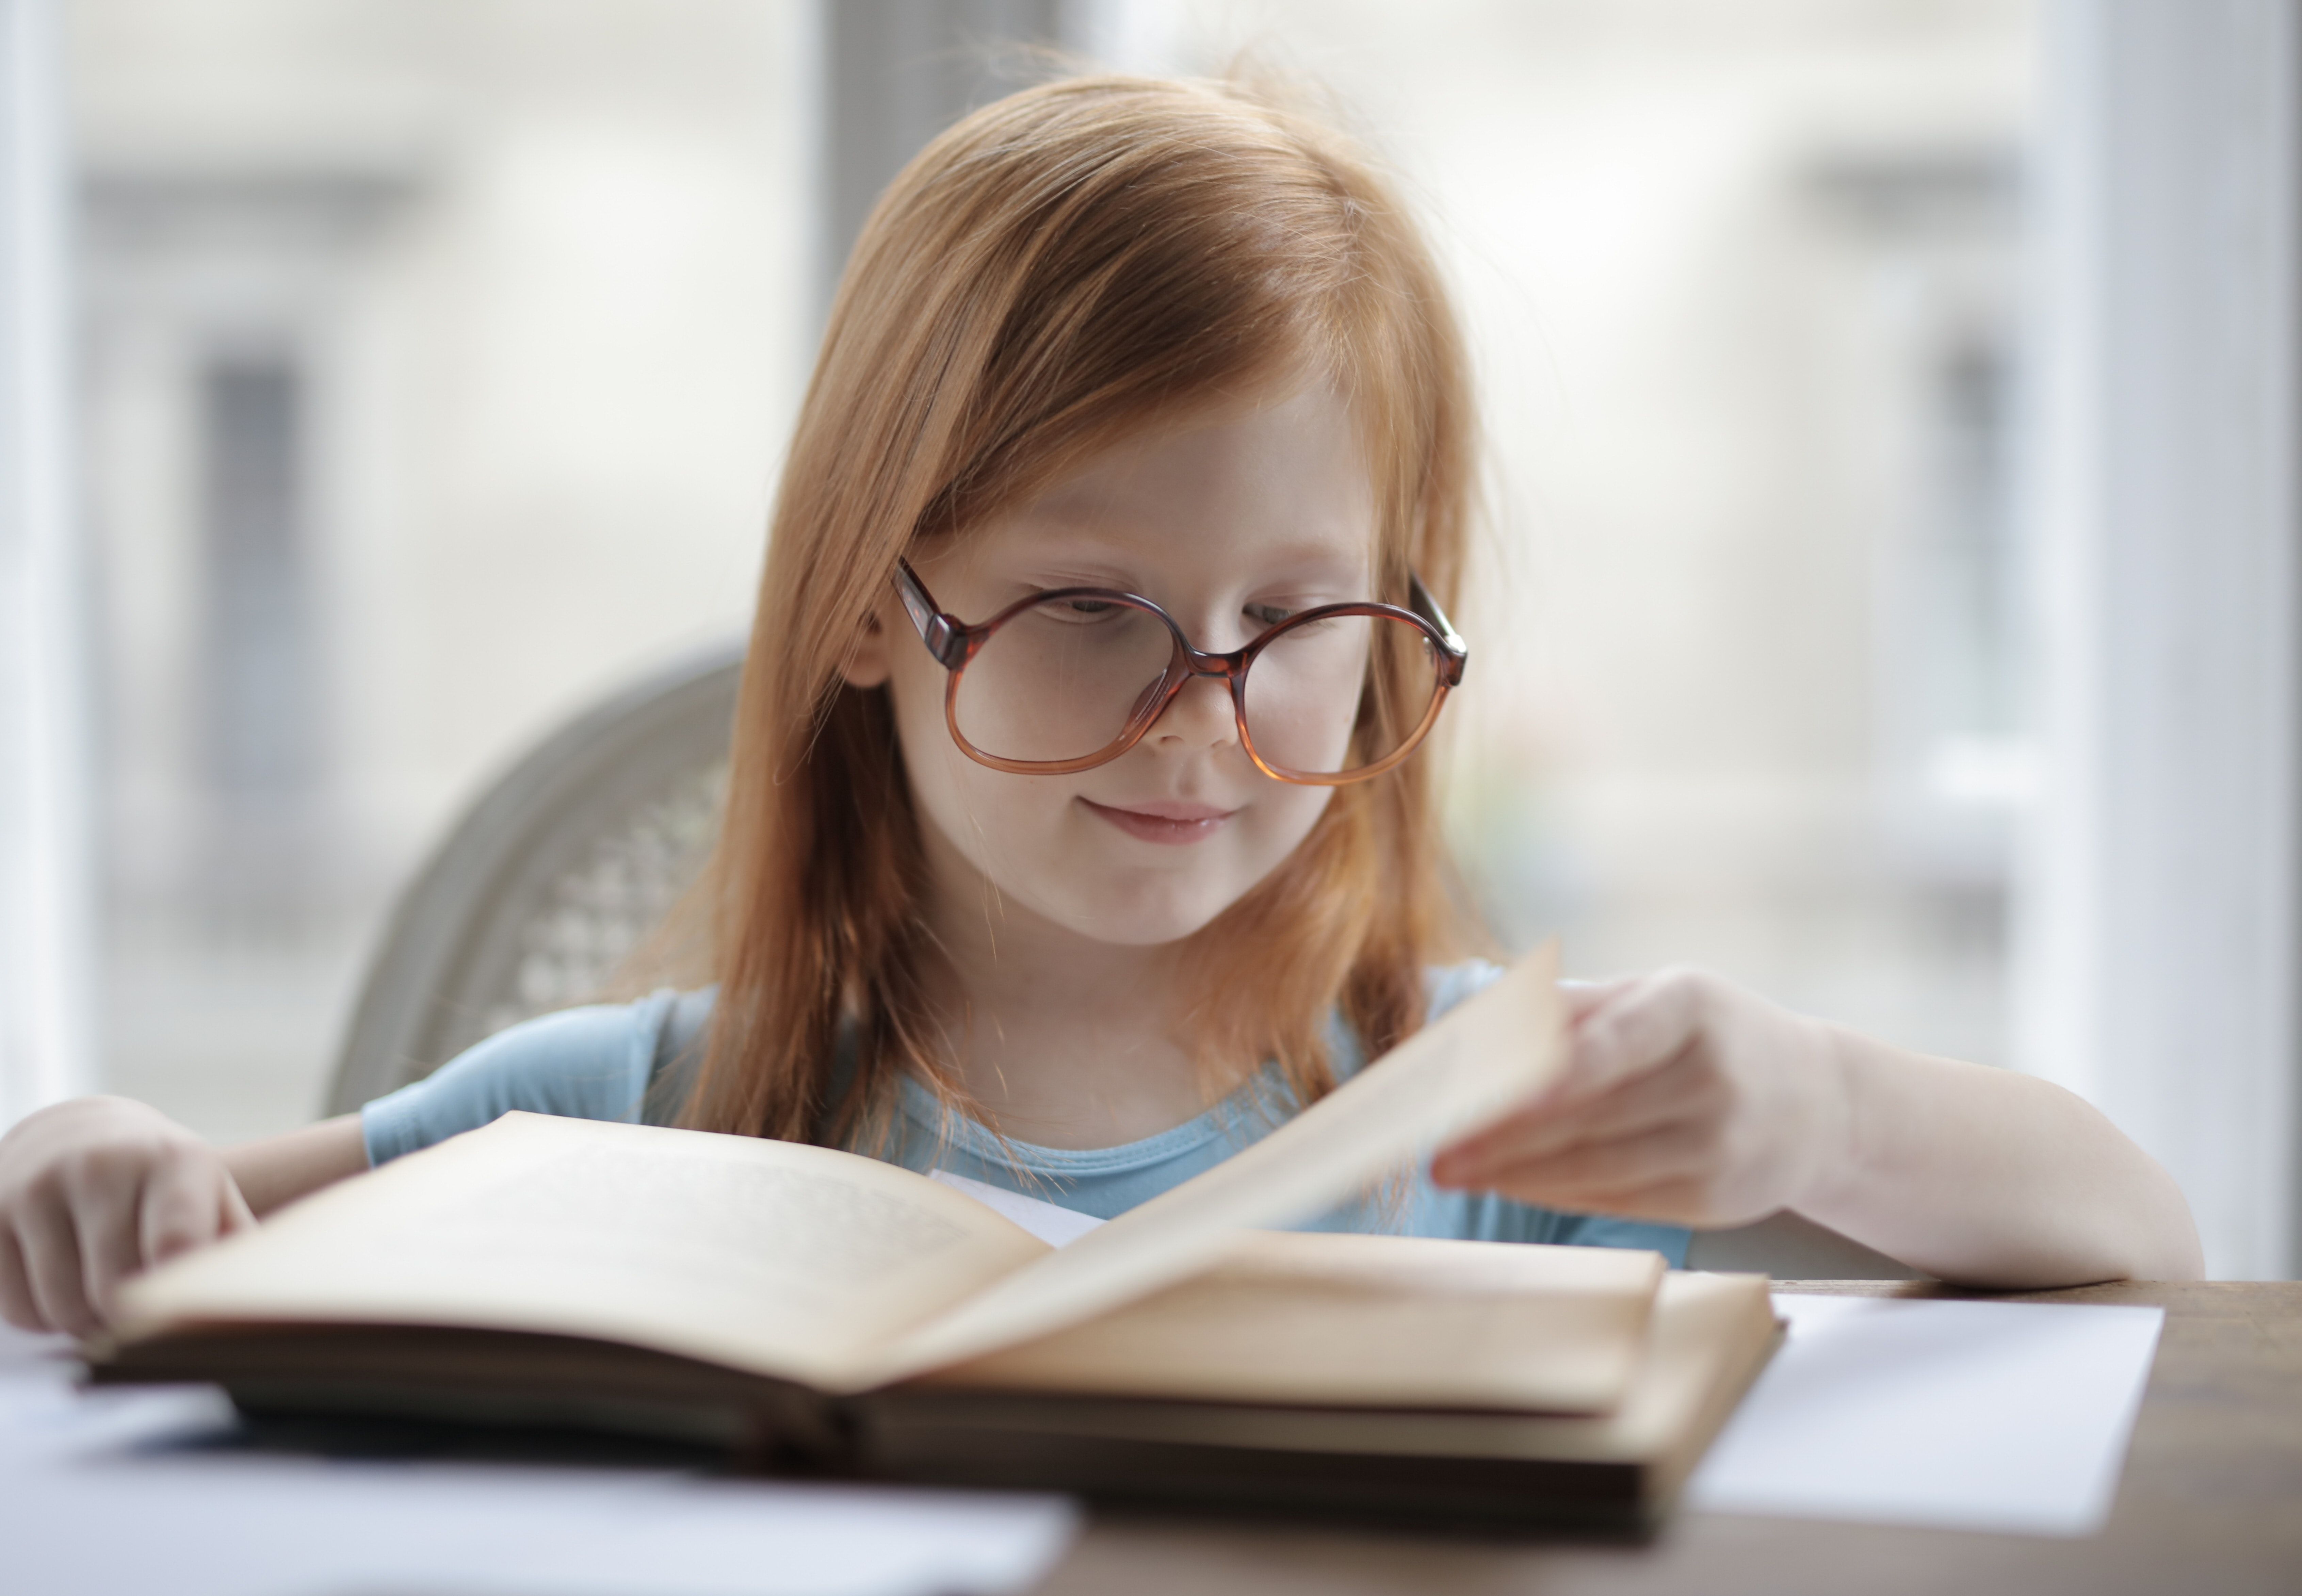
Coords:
pixel 1075 831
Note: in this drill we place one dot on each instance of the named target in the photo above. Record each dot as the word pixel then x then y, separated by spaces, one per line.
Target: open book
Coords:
pixel 816 1306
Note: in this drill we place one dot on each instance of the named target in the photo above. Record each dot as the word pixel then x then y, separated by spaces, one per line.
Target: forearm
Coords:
pixel 273 1173
pixel 1993 1178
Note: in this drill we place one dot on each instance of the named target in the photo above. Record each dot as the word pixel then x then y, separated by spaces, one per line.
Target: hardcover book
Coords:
pixel 816 1309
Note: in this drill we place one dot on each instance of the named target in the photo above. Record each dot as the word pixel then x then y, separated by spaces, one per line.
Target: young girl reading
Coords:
pixel 1076 832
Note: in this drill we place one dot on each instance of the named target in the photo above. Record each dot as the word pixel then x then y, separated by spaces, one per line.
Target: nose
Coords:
pixel 1200 718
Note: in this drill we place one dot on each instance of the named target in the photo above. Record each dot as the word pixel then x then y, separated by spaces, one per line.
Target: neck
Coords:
pixel 1058 1039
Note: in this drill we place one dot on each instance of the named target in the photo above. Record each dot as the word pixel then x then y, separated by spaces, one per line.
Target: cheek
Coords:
pixel 1283 818
pixel 1049 855
pixel 988 815
pixel 999 822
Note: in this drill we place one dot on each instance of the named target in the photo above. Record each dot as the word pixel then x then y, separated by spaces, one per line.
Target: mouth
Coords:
pixel 1164 820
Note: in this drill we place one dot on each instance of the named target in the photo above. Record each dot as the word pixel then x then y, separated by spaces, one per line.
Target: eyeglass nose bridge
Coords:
pixel 1230 669
pixel 1228 666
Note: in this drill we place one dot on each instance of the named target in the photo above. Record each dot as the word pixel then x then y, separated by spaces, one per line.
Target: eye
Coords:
pixel 1078 611
pixel 1267 615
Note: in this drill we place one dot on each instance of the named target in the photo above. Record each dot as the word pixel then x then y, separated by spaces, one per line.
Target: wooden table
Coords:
pixel 2211 1502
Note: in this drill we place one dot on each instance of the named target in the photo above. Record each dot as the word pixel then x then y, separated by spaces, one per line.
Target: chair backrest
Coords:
pixel 547 882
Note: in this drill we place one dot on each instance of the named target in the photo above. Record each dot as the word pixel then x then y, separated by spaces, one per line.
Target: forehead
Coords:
pixel 1283 477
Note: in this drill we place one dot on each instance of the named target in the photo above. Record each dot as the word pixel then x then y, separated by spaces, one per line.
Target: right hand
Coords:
pixel 91 1192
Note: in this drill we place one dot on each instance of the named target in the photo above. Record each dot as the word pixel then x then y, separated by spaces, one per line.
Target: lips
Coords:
pixel 1164 820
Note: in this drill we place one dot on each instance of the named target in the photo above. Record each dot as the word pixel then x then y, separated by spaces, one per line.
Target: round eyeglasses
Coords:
pixel 1067 680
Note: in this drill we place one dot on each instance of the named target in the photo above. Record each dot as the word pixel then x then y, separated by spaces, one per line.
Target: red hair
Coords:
pixel 1060 269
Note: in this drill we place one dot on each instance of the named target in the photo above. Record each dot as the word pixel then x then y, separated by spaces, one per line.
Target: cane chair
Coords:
pixel 547 882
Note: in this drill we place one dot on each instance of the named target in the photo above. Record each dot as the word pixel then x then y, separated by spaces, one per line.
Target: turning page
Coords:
pixel 1485 1055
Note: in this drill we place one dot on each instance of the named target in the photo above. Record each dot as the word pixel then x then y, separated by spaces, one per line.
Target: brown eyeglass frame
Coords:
pixel 954 644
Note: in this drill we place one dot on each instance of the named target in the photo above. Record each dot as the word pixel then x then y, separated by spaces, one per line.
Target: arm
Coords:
pixel 1687 1098
pixel 1994 1178
pixel 94 1190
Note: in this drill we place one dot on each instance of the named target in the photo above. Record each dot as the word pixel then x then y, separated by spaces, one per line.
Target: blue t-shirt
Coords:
pixel 600 1062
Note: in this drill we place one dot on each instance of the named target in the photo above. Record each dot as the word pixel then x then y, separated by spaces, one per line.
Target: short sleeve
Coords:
pixel 590 1063
pixel 678 1056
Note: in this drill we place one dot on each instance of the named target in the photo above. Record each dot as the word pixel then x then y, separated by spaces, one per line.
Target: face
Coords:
pixel 1229 523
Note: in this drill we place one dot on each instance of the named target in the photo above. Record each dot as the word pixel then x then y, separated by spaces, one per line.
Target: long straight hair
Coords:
pixel 1064 267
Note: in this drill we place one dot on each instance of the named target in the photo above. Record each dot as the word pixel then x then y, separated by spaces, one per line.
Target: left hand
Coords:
pixel 1684 1099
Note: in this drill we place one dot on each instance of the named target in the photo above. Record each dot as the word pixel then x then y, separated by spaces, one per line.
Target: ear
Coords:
pixel 872 660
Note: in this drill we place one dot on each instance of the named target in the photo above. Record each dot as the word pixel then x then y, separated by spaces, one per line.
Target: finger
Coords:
pixel 52 1264
pixel 1596 1097
pixel 103 1218
pixel 17 1305
pixel 1684 1201
pixel 1598 1176
pixel 182 1209
pixel 1629 1164
pixel 1635 1106
pixel 1644 1025
pixel 1582 998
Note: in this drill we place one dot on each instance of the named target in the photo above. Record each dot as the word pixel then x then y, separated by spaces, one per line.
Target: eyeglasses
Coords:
pixel 1068 680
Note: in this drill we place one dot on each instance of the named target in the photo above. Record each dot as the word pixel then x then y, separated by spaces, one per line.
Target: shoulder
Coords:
pixel 591 1063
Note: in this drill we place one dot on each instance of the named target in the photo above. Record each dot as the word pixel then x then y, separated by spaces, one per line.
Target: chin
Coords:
pixel 1149 919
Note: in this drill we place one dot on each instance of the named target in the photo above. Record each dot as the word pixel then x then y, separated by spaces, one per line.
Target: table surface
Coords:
pixel 2211 1501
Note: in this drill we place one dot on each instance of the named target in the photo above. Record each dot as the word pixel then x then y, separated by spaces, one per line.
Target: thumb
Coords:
pixel 237 1215
pixel 1637 1025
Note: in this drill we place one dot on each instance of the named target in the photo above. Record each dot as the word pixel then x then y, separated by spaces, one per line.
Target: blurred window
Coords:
pixel 261 742
pixel 1739 280
pixel 441 358
pixel 438 362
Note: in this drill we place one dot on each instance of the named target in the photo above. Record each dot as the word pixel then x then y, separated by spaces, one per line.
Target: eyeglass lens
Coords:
pixel 1065 679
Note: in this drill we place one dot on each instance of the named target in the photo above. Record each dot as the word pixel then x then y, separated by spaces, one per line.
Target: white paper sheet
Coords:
pixel 2011 1416
pixel 94 1503
pixel 1053 1225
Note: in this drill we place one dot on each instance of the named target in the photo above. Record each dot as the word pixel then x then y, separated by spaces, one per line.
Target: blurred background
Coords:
pixel 434 359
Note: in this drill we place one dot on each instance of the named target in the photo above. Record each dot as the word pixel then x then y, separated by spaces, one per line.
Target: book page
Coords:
pixel 770 1256
pixel 1479 1059
pixel 1362 1321
pixel 1707 1338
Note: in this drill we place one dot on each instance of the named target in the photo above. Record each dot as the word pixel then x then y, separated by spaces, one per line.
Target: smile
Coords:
pixel 1164 821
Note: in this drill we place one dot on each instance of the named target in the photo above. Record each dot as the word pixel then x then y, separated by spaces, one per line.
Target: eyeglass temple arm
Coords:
pixel 1459 652
pixel 945 638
